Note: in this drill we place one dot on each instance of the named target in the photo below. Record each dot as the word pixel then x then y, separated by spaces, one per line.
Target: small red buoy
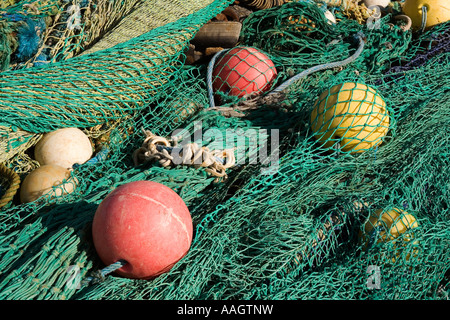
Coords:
pixel 145 223
pixel 243 71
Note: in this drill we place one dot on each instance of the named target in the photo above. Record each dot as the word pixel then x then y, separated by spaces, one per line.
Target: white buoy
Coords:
pixel 63 147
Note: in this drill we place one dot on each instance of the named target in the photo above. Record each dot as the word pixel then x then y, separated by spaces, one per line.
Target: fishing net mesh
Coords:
pixel 354 207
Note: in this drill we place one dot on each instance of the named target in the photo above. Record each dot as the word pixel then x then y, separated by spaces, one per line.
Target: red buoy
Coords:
pixel 243 71
pixel 145 223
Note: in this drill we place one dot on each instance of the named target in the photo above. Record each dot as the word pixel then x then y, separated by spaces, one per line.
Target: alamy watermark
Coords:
pixel 74 21
pixel 374 278
pixel 373 22
pixel 74 280
pixel 250 146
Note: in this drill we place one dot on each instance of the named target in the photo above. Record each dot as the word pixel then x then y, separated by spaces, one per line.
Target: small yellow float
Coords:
pixel 394 226
pixel 352 114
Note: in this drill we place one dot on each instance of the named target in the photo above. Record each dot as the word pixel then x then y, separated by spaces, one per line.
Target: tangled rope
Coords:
pixel 156 148
pixel 440 45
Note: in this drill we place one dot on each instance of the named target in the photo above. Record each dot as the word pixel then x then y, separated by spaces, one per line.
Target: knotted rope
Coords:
pixel 156 148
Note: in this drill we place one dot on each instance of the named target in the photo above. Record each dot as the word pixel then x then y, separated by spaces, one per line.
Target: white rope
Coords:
pixel 156 148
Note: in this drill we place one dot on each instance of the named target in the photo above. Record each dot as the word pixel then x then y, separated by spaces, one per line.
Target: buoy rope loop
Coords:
pixel 99 275
pixel 359 36
pixel 277 93
pixel 211 64
pixel 424 18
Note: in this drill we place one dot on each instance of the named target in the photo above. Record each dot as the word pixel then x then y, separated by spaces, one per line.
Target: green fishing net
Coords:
pixel 300 215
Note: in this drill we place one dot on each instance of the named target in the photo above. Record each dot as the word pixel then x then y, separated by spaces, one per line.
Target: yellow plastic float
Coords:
pixel 395 226
pixel 437 11
pixel 352 114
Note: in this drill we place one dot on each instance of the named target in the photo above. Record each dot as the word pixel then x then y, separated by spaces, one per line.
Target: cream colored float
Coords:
pixel 44 180
pixel 63 147
pixel 352 114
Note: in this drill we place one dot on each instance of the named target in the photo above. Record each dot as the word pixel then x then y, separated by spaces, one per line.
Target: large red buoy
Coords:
pixel 243 71
pixel 145 223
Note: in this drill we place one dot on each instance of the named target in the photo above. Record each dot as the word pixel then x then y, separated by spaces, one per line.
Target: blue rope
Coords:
pixel 211 64
pixel 424 18
pixel 360 36
pixel 284 85
pixel 100 156
pixel 99 276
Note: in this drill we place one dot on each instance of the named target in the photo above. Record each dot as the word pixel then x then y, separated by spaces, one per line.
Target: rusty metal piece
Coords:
pixel 212 50
pixel 192 55
pixel 231 13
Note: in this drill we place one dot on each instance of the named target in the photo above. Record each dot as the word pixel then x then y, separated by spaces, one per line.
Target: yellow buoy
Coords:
pixel 63 147
pixel 352 114
pixel 41 181
pixel 437 11
pixel 395 226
